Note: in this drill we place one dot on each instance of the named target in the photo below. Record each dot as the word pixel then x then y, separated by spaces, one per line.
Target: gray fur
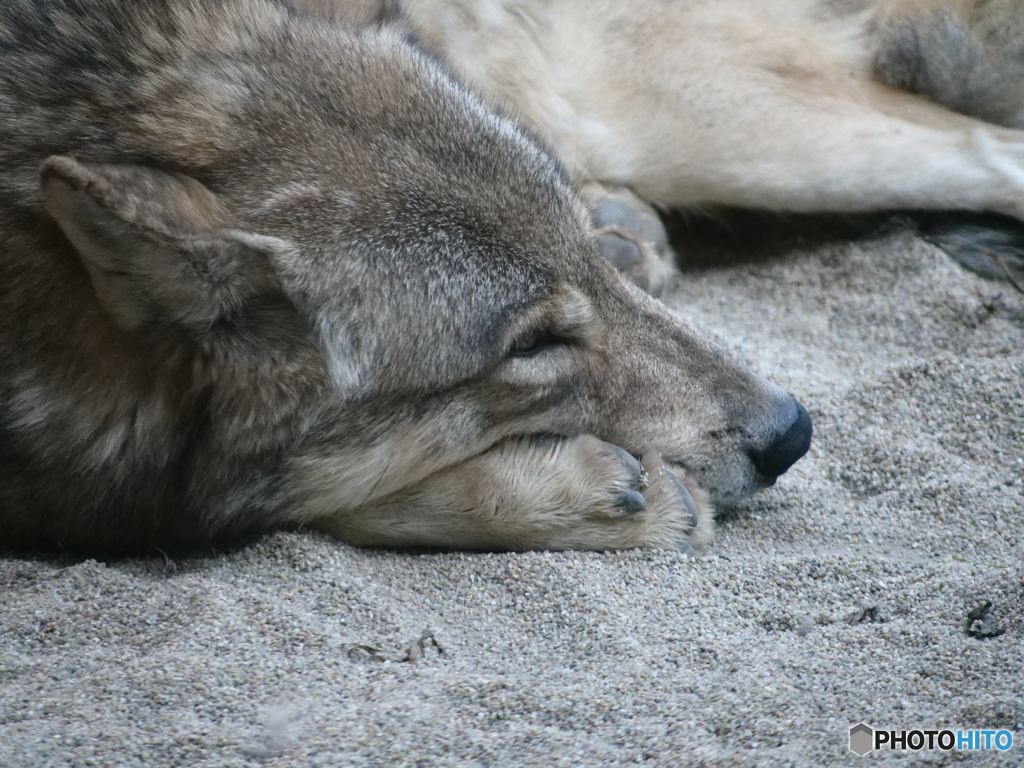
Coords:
pixel 968 59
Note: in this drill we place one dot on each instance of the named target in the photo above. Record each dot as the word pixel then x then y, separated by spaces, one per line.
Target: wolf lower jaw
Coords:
pixel 534 494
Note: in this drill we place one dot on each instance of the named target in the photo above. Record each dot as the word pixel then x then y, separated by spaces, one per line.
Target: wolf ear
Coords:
pixel 159 247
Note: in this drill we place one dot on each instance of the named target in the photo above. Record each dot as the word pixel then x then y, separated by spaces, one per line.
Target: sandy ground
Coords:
pixel 841 595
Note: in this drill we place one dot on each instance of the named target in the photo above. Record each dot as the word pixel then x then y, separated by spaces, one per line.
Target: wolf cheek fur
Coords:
pixel 274 274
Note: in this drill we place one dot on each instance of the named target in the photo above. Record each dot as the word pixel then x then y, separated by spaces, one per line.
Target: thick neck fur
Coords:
pixel 71 83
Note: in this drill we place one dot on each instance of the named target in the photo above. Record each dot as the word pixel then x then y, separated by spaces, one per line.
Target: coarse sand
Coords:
pixel 855 590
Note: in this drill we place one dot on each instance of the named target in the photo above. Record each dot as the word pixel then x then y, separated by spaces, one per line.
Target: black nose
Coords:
pixel 787 448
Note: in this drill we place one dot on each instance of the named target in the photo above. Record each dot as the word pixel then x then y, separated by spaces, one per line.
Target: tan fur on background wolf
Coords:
pixel 258 270
pixel 775 104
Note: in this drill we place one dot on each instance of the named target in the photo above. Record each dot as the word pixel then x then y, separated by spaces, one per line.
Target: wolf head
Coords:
pixel 329 271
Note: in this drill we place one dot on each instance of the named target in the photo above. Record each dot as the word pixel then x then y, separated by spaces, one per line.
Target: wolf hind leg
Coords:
pixel 748 113
pixel 537 493
pixel 865 147
pixel 964 176
pixel 871 150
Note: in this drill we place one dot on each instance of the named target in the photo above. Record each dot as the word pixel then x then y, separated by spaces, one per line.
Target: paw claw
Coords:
pixel 632 502
pixel 687 500
pixel 636 472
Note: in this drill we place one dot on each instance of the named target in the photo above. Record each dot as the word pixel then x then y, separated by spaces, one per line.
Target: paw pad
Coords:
pixel 631 236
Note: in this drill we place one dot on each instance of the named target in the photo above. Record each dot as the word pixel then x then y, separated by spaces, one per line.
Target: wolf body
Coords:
pixel 261 270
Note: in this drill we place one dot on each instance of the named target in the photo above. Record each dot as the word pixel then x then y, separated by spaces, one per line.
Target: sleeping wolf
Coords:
pixel 784 105
pixel 259 271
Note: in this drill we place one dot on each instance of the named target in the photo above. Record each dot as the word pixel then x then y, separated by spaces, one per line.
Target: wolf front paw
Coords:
pixel 631 236
pixel 537 492
pixel 599 496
